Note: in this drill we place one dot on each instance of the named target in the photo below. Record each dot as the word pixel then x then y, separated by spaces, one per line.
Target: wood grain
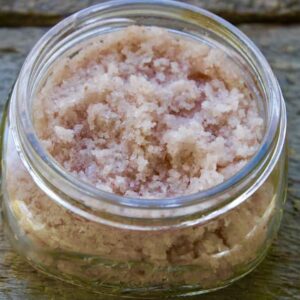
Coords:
pixel 45 12
pixel 278 277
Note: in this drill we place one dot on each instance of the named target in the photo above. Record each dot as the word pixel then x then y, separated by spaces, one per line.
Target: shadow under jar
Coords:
pixel 111 244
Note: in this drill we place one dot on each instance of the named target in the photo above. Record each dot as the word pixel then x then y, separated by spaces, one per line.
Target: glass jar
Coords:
pixel 116 245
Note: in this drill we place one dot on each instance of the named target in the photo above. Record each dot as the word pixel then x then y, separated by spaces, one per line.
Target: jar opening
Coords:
pixel 176 16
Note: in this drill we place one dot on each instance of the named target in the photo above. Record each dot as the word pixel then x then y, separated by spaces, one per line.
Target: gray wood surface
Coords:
pixel 278 277
pixel 48 12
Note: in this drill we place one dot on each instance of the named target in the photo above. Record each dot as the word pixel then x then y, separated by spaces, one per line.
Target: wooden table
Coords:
pixel 272 24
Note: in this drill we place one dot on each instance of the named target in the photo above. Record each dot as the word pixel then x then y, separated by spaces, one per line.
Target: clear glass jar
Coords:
pixel 115 245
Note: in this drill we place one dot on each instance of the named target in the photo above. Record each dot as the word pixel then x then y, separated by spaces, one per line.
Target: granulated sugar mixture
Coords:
pixel 144 113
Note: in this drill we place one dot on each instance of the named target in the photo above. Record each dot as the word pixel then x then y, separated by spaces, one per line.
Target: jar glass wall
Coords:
pixel 117 245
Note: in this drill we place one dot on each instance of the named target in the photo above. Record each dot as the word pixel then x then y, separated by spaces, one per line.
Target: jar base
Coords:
pixel 150 292
pixel 154 292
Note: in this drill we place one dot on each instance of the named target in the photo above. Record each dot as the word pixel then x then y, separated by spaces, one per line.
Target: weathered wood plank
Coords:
pixel 14 45
pixel 278 277
pixel 45 12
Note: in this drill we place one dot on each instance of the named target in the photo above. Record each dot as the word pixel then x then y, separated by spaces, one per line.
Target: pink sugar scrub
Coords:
pixel 143 113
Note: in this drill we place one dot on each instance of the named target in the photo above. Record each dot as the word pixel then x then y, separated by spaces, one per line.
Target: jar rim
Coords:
pixel 29 143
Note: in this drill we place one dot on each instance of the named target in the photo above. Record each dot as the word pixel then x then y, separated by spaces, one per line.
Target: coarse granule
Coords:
pixel 143 113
